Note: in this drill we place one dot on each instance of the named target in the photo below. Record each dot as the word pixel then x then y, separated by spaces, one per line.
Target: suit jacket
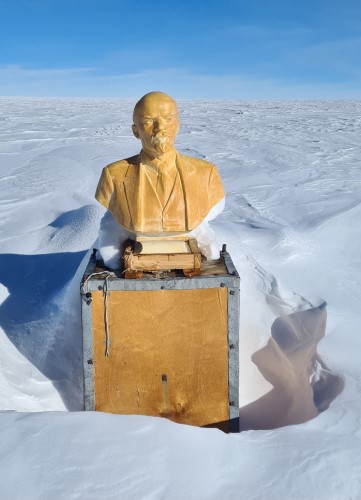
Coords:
pixel 120 191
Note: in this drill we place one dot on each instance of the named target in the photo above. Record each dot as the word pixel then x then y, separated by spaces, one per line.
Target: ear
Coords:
pixel 135 131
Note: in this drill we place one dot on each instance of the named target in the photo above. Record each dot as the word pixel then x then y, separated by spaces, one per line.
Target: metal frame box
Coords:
pixel 163 345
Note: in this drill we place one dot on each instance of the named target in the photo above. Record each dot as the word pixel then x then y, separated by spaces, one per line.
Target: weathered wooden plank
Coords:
pixel 190 260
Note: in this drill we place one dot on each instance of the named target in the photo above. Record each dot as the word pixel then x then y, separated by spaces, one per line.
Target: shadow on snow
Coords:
pixel 41 316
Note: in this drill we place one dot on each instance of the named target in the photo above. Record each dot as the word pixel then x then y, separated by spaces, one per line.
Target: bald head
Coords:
pixel 156 123
pixel 154 97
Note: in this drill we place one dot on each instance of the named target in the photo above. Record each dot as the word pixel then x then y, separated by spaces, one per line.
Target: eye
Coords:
pixel 148 121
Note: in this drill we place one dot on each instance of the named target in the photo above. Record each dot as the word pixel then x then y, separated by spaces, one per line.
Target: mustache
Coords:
pixel 160 139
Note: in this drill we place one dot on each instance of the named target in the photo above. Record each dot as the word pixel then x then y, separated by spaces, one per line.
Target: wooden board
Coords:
pixel 165 247
pixel 168 354
pixel 164 237
pixel 162 262
pixel 188 259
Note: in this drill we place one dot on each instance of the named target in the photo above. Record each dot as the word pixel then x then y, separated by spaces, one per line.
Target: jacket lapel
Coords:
pixel 190 185
pixel 131 189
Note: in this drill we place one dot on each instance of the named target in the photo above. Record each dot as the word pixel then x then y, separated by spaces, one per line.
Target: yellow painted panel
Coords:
pixel 168 354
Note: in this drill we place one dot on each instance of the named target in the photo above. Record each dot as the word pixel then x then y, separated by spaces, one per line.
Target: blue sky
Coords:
pixel 198 49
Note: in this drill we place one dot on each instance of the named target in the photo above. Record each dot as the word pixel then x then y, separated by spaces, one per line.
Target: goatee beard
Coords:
pixel 161 147
pixel 161 144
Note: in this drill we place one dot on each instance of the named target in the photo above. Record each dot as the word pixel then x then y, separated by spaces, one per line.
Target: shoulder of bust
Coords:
pixel 123 164
pixel 196 162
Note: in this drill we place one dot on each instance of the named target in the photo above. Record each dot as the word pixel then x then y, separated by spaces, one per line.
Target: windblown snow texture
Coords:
pixel 292 176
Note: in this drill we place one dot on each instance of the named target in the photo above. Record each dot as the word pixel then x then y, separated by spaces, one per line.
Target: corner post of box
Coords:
pixel 233 357
pixel 87 351
pixel 233 343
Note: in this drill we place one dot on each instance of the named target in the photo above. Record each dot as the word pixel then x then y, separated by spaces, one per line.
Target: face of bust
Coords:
pixel 156 124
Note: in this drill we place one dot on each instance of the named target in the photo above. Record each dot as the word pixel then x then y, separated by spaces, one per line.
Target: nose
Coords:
pixel 159 125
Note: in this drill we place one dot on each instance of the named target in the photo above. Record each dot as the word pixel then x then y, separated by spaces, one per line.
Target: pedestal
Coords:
pixel 163 345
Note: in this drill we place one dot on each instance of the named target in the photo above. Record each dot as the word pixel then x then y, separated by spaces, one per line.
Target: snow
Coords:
pixel 292 175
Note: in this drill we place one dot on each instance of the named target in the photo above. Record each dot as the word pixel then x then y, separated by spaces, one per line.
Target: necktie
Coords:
pixel 166 185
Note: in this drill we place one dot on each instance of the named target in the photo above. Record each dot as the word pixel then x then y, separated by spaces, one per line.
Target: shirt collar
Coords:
pixel 156 165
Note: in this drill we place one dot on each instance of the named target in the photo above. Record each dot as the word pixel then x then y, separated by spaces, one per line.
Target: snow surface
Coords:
pixel 292 176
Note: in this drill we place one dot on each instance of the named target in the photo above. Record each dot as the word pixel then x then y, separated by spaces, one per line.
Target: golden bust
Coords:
pixel 160 192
